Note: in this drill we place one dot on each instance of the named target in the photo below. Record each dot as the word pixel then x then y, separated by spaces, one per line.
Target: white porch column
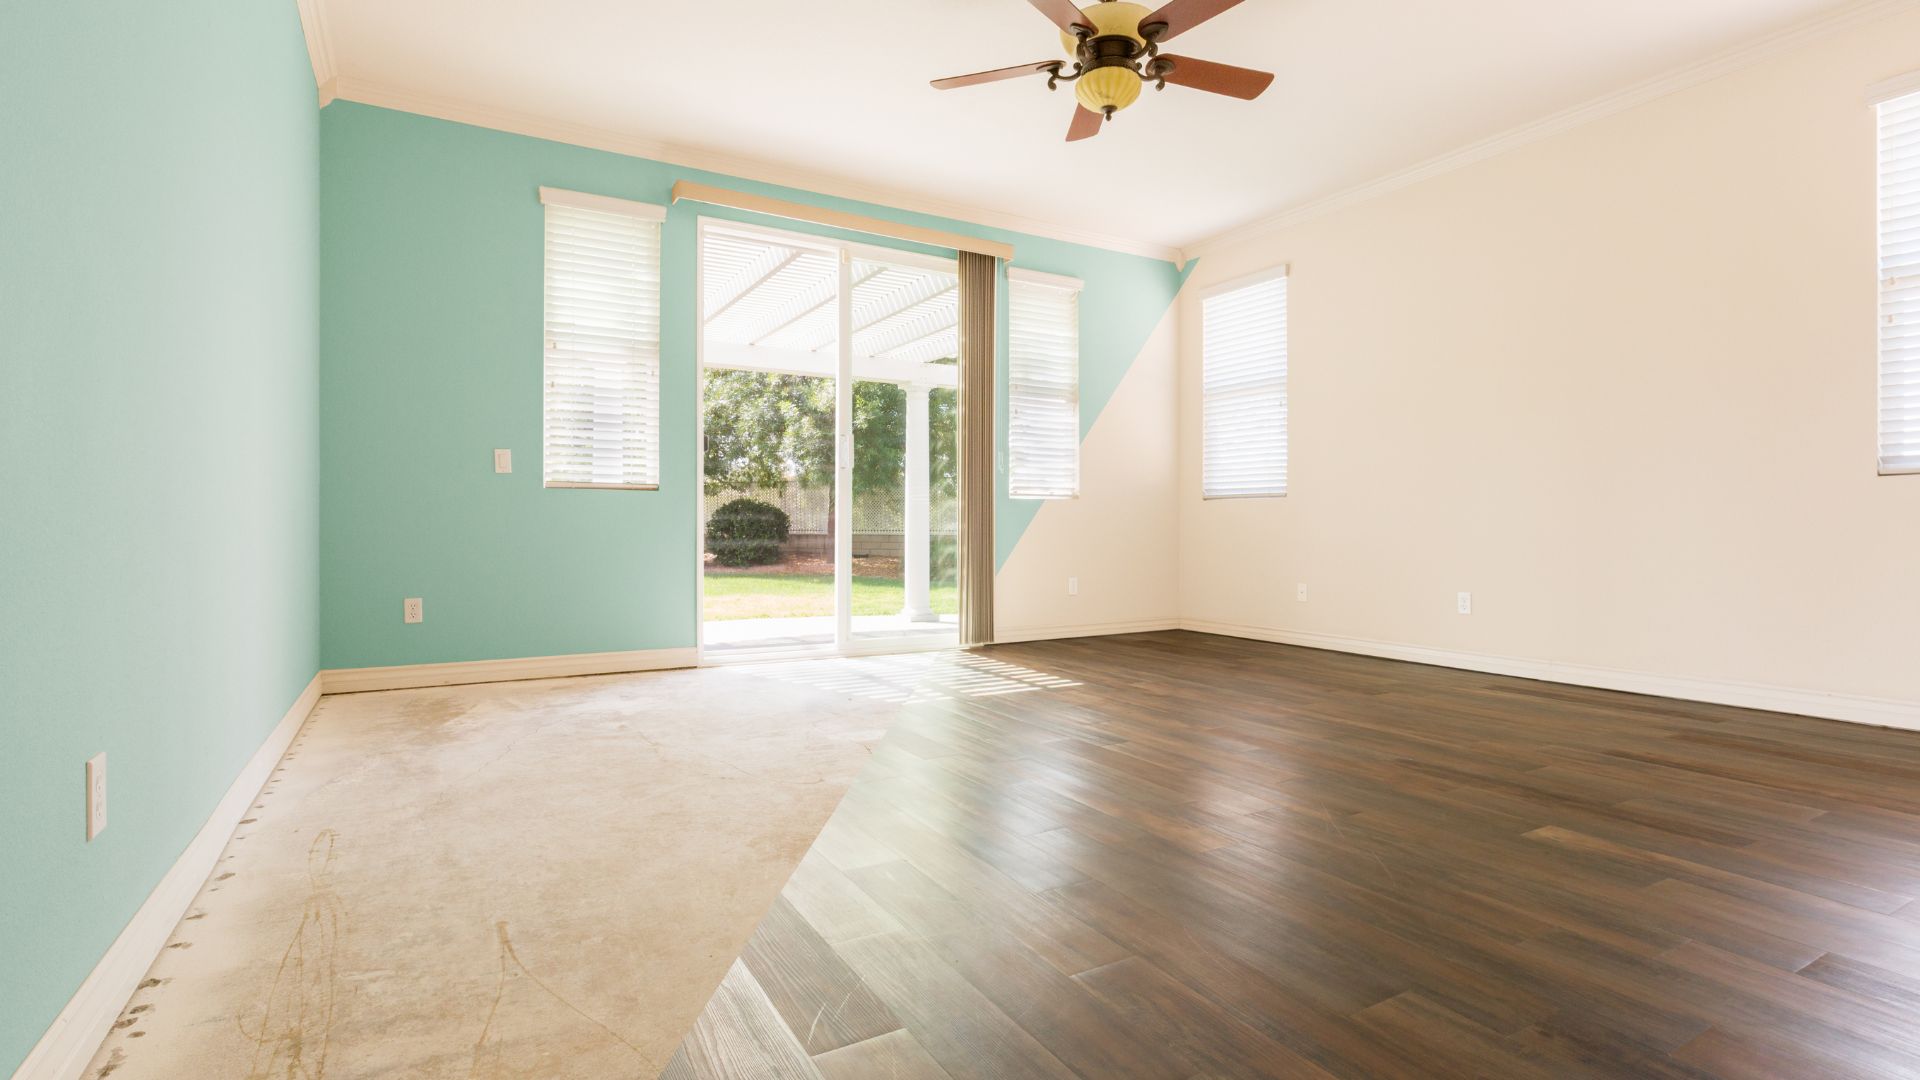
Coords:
pixel 917 566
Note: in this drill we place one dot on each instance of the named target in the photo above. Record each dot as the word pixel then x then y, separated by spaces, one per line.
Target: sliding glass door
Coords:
pixel 905 362
pixel 828 403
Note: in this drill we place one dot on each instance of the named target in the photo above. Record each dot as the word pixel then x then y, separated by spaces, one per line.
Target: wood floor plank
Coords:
pixel 1063 941
pixel 1435 1042
pixel 822 1001
pixel 1047 1004
pixel 897 1055
pixel 1203 1037
pixel 847 847
pixel 1899 990
pixel 1278 1007
pixel 740 1037
pixel 953 1022
pixel 829 902
pixel 1736 1058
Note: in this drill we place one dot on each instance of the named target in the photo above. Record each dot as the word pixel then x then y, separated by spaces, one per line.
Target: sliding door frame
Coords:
pixel 845 253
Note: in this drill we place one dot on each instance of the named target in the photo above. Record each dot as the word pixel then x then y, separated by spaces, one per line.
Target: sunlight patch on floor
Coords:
pixel 916 678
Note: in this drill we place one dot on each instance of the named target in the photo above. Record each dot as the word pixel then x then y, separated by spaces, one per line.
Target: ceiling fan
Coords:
pixel 1116 48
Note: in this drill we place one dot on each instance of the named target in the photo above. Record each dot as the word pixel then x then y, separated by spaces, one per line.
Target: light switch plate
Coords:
pixel 1300 593
pixel 1073 586
pixel 503 461
pixel 96 794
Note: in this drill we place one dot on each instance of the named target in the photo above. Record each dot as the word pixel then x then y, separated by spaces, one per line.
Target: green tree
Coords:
pixel 764 429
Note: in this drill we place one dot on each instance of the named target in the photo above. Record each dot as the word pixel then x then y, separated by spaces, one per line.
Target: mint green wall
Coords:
pixel 431 358
pixel 159 244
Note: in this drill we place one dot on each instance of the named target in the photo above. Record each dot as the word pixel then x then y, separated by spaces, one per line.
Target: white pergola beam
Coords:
pixel 808 310
pixel 904 309
pixel 752 285
pixel 801 362
pixel 928 336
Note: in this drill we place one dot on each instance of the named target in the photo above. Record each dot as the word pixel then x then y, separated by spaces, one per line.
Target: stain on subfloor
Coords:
pixel 295 1029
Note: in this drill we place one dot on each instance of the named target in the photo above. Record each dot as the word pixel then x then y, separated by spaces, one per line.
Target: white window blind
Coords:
pixel 1243 359
pixel 602 406
pixel 1043 386
pixel 1900 284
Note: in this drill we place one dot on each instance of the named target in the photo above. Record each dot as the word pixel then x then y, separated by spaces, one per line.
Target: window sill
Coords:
pixel 601 487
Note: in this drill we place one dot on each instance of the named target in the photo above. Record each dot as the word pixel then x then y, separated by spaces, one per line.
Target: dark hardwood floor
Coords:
pixel 1192 856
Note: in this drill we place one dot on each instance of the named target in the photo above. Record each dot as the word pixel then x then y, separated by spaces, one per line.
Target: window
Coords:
pixel 1243 360
pixel 1043 386
pixel 1900 284
pixel 602 405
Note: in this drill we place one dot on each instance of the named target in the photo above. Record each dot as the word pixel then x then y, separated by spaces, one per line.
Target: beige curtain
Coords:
pixel 977 273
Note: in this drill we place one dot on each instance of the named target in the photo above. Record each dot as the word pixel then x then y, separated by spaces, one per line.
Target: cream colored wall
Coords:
pixel 1120 536
pixel 1618 383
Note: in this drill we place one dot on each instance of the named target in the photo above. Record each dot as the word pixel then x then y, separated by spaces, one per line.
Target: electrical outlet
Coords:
pixel 414 610
pixel 96 794
pixel 1073 586
pixel 1300 593
pixel 1466 603
pixel 503 461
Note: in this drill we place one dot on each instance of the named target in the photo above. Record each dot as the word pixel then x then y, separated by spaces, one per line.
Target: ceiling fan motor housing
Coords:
pixel 1109 57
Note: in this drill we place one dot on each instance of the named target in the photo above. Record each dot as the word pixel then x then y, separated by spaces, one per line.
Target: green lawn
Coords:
pixel 788 596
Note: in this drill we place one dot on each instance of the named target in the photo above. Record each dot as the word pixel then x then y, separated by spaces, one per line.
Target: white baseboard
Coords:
pixel 1006 635
pixel 63 1052
pixel 1883 712
pixel 411 676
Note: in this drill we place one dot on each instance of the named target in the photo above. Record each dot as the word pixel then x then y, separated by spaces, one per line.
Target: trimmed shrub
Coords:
pixel 746 532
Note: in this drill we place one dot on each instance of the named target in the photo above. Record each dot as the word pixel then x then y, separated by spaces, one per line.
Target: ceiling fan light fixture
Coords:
pixel 1107 90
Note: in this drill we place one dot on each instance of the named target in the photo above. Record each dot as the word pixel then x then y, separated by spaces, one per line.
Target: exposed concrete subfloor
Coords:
pixel 537 879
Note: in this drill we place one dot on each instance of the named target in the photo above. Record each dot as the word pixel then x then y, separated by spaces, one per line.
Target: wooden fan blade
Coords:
pixel 996 75
pixel 1183 15
pixel 1086 124
pixel 1063 14
pixel 1243 83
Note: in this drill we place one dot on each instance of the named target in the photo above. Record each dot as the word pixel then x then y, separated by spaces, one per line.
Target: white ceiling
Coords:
pixel 839 88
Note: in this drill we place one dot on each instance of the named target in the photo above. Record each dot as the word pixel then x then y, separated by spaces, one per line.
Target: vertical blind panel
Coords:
pixel 1043 390
pixel 1900 284
pixel 602 413
pixel 1244 390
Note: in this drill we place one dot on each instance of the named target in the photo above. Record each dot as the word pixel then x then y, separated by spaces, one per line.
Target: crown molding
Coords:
pixel 1689 75
pixel 1882 92
pixel 517 123
pixel 313 24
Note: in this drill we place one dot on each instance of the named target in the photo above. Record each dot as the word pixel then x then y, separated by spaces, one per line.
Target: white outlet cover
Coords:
pixel 96 794
pixel 1300 593
pixel 503 461
pixel 1466 603
pixel 414 610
